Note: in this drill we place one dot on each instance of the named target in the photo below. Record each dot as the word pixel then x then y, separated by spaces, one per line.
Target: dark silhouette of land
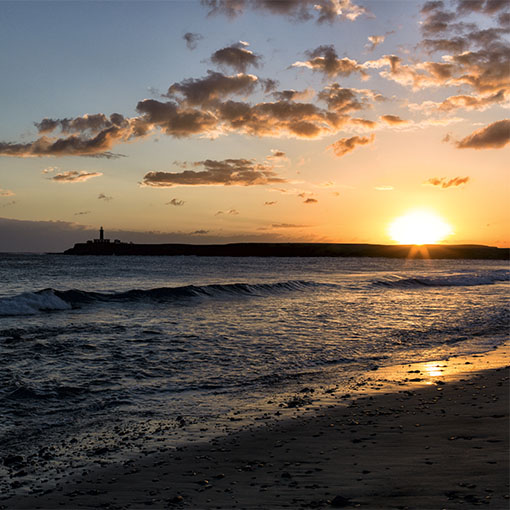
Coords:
pixel 292 250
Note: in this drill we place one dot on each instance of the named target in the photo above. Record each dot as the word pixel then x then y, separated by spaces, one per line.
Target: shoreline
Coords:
pixel 426 435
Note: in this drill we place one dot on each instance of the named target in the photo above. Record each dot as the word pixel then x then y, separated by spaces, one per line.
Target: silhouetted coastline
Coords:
pixel 293 250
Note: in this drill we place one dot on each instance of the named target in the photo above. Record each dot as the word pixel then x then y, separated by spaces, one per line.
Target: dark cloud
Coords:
pixel 393 120
pixel 192 39
pixel 75 176
pixel 175 202
pixel 229 172
pixel 310 201
pixel 82 213
pixel 493 136
pixel 211 88
pixel 56 236
pixel 277 154
pixel 93 123
pixel 297 10
pixel 482 6
pixel 174 120
pixel 341 100
pixel 293 95
pixel 104 197
pixel 270 203
pixel 445 183
pixel 324 59
pixel 74 145
pixel 237 56
pixel 346 145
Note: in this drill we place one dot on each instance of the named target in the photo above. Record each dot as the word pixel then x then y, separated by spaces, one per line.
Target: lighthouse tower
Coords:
pixel 101 235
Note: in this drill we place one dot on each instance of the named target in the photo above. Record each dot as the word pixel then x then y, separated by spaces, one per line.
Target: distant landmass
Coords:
pixel 102 246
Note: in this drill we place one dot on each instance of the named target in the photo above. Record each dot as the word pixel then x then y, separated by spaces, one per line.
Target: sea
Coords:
pixel 103 356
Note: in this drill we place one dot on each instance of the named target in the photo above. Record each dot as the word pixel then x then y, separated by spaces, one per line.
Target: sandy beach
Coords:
pixel 422 436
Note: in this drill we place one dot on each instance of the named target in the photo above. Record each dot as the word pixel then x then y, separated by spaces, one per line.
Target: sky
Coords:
pixel 221 121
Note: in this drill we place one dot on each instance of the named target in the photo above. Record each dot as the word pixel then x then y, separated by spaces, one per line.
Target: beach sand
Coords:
pixel 424 436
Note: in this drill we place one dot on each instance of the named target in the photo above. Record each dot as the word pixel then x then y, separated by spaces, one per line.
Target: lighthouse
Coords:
pixel 101 235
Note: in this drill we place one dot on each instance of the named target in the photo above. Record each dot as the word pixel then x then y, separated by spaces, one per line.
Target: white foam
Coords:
pixel 30 303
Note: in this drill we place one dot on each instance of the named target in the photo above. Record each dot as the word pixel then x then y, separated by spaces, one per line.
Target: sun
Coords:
pixel 419 227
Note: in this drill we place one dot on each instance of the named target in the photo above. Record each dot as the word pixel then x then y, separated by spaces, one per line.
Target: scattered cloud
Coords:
pixel 236 56
pixel 75 176
pixel 393 120
pixel 374 40
pixel 228 172
pixel 270 203
pixel 384 188
pixel 294 95
pixel 192 40
pixel 175 202
pixel 346 145
pixel 200 232
pixel 6 193
pixel 82 213
pixel 297 10
pixel 232 212
pixel 324 59
pixel 49 169
pixel 464 102
pixel 310 201
pixel 444 183
pixel 493 136
pixel 104 197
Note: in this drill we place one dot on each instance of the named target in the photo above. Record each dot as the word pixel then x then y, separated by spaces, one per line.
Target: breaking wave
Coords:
pixel 46 300
pixel 452 280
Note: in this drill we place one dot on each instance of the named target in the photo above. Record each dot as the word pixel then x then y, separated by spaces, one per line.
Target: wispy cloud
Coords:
pixel 444 183
pixel 75 176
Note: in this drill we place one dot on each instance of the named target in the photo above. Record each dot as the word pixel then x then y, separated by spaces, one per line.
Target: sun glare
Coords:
pixel 419 227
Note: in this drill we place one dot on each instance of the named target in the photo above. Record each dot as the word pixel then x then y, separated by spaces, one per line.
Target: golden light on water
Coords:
pixel 419 227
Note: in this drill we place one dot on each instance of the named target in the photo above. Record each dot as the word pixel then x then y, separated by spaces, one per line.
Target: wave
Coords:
pixel 452 280
pixel 46 300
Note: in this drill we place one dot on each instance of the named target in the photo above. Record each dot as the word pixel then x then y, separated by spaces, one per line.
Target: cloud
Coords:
pixel 324 59
pixel 75 176
pixel 73 145
pixel 384 188
pixel 493 136
pixel 293 95
pixel 175 202
pixel 296 10
pixel 462 102
pixel 374 40
pixel 6 193
pixel 232 212
pixel 81 213
pixel 310 201
pixel 277 154
pixel 270 203
pixel 445 183
pixel 200 232
pixel 104 197
pixel 343 100
pixel 229 172
pixel 346 145
pixel 237 56
pixel 211 88
pixel 393 120
pixel 94 123
pixel 192 39
pixel 288 225
pixel 49 169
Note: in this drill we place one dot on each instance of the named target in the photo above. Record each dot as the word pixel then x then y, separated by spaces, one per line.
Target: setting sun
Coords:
pixel 419 227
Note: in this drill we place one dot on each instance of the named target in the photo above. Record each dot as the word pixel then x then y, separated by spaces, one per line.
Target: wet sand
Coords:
pixel 420 440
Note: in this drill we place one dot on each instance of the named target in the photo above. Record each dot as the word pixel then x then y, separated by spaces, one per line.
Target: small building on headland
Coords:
pixel 102 239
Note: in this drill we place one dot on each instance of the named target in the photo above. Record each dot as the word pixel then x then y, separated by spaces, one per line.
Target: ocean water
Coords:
pixel 95 350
